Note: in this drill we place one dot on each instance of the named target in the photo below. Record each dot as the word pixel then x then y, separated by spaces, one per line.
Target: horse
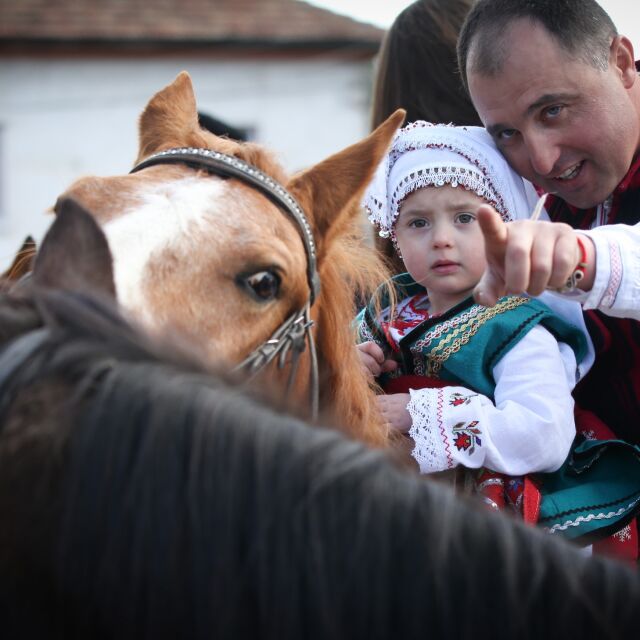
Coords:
pixel 22 261
pixel 227 260
pixel 142 496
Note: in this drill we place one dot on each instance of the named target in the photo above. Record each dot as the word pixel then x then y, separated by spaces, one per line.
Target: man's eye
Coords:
pixel 465 218
pixel 506 134
pixel 553 111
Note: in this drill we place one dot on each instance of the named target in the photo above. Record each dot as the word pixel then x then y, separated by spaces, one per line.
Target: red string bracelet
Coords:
pixel 579 272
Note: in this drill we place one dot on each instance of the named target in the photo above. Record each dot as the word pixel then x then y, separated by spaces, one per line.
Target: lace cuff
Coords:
pixel 432 450
pixel 443 429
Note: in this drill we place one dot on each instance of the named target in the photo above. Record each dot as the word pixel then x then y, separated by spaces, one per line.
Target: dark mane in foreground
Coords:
pixel 142 498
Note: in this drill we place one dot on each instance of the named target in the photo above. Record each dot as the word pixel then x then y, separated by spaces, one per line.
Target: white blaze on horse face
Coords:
pixel 170 214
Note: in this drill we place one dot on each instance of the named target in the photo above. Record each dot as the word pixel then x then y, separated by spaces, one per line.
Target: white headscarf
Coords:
pixel 427 155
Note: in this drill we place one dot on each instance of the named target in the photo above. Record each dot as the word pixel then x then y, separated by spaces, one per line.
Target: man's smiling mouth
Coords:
pixel 570 173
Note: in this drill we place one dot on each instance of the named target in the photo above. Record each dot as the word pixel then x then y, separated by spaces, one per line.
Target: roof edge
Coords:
pixel 270 43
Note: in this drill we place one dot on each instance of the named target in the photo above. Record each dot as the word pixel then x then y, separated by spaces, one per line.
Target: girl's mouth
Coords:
pixel 444 267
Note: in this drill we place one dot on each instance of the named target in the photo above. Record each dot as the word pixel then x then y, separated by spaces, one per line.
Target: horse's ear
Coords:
pixel 75 254
pixel 168 118
pixel 331 191
pixel 22 262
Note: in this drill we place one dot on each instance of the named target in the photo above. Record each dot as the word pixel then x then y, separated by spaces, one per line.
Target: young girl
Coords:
pixel 472 386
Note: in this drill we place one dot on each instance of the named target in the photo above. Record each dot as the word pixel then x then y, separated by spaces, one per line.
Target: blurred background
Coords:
pixel 75 74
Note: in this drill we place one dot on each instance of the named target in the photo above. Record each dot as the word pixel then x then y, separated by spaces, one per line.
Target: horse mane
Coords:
pixel 150 500
pixel 349 273
pixel 350 270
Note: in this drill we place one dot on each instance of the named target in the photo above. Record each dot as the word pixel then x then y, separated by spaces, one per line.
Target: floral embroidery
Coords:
pixel 462 442
pixel 458 399
pixel 467 436
pixel 624 534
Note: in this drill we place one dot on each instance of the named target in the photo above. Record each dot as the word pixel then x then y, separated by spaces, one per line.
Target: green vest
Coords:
pixel 463 345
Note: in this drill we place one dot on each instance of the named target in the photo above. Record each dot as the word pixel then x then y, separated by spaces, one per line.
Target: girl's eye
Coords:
pixel 419 223
pixel 465 218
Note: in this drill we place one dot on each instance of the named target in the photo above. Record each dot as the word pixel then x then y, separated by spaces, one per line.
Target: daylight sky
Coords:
pixel 625 13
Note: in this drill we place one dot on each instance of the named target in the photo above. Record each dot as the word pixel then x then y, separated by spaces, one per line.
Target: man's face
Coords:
pixel 563 124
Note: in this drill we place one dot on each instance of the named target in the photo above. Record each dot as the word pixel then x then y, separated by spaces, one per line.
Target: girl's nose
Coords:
pixel 441 236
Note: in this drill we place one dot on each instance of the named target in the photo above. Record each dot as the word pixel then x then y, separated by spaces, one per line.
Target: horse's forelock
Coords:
pixel 262 159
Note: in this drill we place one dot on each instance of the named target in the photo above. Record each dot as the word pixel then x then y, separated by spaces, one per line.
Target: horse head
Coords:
pixel 218 260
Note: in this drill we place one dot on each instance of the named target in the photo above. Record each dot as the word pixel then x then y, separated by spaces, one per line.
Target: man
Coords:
pixel 557 87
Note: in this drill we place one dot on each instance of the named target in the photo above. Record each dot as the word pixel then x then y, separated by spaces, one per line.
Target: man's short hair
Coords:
pixel 581 27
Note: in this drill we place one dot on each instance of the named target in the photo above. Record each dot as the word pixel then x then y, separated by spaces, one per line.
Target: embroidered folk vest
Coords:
pixel 463 345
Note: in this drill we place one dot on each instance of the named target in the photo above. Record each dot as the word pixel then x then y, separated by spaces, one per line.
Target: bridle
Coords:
pixel 292 335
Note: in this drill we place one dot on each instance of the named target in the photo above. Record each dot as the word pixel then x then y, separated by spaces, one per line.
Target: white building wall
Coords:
pixel 62 119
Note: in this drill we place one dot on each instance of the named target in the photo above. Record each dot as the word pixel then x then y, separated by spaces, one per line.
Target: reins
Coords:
pixel 293 334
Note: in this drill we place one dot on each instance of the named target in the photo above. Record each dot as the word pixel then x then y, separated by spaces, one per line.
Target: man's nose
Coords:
pixel 543 153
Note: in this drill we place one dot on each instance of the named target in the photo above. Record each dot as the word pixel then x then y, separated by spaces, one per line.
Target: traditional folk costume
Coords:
pixel 611 391
pixel 518 355
pixel 491 387
pixel 612 308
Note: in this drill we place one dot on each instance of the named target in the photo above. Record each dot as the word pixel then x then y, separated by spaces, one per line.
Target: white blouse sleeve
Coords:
pixel 616 288
pixel 529 429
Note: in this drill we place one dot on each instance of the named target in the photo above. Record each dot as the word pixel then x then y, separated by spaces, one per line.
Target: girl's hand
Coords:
pixel 373 360
pixel 394 410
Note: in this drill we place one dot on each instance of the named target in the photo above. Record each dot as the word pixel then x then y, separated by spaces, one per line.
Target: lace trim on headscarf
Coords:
pixel 453 176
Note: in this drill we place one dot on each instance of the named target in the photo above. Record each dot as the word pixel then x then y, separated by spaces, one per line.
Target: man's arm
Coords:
pixel 616 287
pixel 530 256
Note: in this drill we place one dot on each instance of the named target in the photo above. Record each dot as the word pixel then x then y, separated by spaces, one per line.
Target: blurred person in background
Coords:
pixel 417 71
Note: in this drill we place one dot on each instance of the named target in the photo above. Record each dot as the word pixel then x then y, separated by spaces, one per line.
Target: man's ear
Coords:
pixel 623 59
pixel 75 254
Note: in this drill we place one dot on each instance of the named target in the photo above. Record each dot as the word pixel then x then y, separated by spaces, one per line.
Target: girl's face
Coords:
pixel 441 243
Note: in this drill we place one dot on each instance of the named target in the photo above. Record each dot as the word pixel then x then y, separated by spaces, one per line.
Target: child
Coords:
pixel 472 386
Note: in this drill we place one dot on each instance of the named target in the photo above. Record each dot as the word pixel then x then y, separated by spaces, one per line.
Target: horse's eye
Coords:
pixel 265 285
